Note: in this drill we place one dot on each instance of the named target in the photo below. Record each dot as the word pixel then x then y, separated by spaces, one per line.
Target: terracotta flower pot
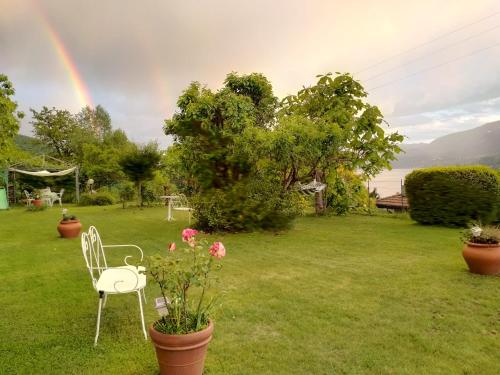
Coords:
pixel 69 228
pixel 37 202
pixel 181 354
pixel 483 259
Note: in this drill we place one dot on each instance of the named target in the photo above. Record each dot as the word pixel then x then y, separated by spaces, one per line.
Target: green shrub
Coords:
pixel 126 192
pixel 453 196
pixel 346 192
pixel 97 199
pixel 250 205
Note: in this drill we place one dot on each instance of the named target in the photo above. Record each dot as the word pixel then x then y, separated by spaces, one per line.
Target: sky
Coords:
pixel 431 66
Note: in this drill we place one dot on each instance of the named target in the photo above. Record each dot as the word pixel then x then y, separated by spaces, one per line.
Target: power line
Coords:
pixel 428 42
pixel 434 66
pixel 430 54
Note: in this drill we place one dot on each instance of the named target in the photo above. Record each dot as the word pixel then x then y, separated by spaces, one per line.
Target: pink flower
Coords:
pixel 171 246
pixel 217 250
pixel 188 233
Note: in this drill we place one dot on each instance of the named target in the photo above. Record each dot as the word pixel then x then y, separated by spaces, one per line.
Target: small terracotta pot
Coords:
pixel 181 354
pixel 37 202
pixel 483 259
pixel 69 228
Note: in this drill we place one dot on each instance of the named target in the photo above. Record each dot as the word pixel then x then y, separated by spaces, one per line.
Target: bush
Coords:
pixel 453 196
pixel 97 199
pixel 126 192
pixel 257 204
pixel 345 192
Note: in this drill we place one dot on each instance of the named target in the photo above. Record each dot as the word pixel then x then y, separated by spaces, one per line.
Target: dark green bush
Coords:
pixel 453 196
pixel 97 199
pixel 250 205
pixel 126 192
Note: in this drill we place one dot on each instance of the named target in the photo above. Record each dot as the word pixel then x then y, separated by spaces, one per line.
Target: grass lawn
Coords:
pixel 334 295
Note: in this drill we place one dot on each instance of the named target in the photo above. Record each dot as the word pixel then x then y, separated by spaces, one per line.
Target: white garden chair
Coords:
pixel 181 203
pixel 46 195
pixel 29 197
pixel 112 280
pixel 57 197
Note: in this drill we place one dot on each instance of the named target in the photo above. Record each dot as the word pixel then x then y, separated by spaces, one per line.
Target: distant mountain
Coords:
pixel 480 145
pixel 30 144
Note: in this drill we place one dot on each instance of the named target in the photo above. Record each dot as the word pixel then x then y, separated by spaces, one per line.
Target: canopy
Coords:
pixel 44 166
pixel 44 173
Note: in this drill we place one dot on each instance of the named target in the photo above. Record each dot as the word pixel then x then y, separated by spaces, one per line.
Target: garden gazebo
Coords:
pixel 43 166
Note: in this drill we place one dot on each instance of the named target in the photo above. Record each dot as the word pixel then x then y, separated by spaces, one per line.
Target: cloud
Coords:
pixel 137 57
pixel 426 126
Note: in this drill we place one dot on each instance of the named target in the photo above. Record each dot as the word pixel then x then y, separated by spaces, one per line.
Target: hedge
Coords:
pixel 96 199
pixel 453 196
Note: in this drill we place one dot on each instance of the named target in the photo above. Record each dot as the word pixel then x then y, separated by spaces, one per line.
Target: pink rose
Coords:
pixel 217 250
pixel 171 246
pixel 188 233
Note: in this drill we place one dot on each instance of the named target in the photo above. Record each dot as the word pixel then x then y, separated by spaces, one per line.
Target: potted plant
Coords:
pixel 69 226
pixel 185 327
pixel 37 201
pixel 482 249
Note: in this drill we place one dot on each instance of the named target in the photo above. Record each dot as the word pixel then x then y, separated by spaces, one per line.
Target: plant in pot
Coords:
pixel 185 327
pixel 482 249
pixel 69 226
pixel 37 202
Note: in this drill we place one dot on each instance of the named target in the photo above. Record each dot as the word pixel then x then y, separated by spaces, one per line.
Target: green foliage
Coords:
pixel 101 198
pixel 9 116
pixel 9 123
pixel 140 164
pixel 55 128
pixel 126 192
pixel 329 127
pixel 346 191
pixel 256 87
pixel 453 196
pixel 221 150
pixel 30 145
pixel 101 160
pixel 96 121
pixel 348 129
pixel 248 205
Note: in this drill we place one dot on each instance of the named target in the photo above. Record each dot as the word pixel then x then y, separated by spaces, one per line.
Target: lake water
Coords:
pixel 389 182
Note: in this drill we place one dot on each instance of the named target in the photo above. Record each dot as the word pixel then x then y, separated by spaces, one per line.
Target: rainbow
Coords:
pixel 67 61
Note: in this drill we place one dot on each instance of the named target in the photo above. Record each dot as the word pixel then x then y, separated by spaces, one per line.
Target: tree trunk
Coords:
pixel 139 188
pixel 319 204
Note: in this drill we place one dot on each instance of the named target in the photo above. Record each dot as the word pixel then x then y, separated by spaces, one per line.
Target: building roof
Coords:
pixel 394 201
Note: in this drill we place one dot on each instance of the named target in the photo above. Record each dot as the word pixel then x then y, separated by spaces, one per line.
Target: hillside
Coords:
pixel 480 145
pixel 30 144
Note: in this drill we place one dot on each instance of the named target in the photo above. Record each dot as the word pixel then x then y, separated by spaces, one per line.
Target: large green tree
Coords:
pixel 94 120
pixel 140 164
pixel 9 119
pixel 219 144
pixel 101 160
pixel 55 128
pixel 329 126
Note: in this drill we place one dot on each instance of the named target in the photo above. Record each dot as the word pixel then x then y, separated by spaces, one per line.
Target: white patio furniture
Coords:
pixel 112 280
pixel 57 197
pixel 169 199
pixel 29 197
pixel 182 204
pixel 47 196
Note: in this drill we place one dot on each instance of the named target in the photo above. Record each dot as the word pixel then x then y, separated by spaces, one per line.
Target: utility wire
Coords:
pixel 428 42
pixel 434 66
pixel 430 54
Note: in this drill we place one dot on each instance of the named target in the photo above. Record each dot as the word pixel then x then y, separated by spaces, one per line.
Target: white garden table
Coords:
pixel 169 199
